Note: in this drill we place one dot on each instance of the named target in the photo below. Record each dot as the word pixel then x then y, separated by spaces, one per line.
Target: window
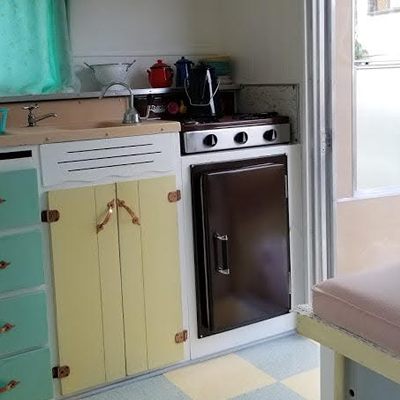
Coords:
pixel 376 7
pixel 377 84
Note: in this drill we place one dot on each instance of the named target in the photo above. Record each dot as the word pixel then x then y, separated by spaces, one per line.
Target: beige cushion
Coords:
pixel 367 304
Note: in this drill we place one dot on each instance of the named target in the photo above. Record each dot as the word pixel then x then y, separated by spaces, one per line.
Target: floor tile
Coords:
pixel 273 392
pixel 219 379
pixel 306 384
pixel 149 389
pixel 284 357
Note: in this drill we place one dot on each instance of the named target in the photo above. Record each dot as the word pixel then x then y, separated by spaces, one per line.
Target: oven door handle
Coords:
pixel 222 242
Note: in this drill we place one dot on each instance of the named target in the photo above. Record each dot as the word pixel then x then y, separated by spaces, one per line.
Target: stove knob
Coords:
pixel 241 138
pixel 271 135
pixel 210 141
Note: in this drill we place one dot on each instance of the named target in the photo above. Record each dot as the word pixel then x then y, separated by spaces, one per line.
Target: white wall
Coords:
pixel 266 39
pixel 104 31
pixel 143 27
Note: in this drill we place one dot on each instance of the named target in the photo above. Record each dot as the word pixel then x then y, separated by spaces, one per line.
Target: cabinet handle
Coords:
pixel 6 328
pixel 10 386
pixel 110 207
pixel 135 218
pixel 2 201
pixel 222 268
pixel 4 264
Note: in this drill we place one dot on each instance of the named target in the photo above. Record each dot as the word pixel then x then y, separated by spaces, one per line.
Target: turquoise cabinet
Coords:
pixel 19 200
pixel 23 323
pixel 33 372
pixel 21 261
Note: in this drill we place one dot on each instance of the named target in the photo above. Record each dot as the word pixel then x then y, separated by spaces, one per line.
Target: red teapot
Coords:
pixel 161 75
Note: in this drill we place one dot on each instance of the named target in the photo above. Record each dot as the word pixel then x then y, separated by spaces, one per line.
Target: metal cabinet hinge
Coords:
pixel 61 372
pixel 50 216
pixel 174 197
pixel 328 139
pixel 181 337
pixel 326 142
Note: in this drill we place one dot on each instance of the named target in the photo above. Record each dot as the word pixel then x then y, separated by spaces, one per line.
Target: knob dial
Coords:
pixel 241 138
pixel 271 135
pixel 210 140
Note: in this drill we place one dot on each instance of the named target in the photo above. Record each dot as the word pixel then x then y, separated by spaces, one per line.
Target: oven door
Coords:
pixel 244 272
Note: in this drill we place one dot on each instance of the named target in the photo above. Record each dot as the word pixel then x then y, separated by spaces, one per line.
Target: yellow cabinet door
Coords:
pixel 132 278
pixel 110 282
pixel 161 271
pixel 89 317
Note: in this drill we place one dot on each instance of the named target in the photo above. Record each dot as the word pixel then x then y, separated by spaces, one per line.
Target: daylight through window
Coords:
pixel 381 6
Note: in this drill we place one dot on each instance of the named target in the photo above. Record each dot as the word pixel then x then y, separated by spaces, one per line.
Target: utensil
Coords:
pixel 3 119
pixel 183 67
pixel 160 75
pixel 109 73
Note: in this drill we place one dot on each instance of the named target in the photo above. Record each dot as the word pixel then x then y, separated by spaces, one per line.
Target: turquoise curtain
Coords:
pixel 35 52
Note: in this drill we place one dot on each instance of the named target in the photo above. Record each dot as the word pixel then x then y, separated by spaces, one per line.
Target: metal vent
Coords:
pixel 89 161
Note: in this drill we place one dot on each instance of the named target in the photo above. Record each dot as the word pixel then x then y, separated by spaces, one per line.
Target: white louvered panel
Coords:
pixel 94 160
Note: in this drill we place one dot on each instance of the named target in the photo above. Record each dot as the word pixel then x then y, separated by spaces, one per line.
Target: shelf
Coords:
pixel 93 95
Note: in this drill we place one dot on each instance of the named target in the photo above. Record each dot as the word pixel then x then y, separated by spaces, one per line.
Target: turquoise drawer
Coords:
pixel 21 261
pixel 19 200
pixel 33 372
pixel 27 317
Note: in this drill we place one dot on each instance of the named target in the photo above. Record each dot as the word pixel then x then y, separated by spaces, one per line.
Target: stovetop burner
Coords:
pixel 255 116
pixel 233 121
pixel 201 121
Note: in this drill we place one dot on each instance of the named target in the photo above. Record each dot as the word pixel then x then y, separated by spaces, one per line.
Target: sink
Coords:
pixel 90 125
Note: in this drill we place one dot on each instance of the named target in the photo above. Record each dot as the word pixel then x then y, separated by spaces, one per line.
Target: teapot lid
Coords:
pixel 160 64
pixel 184 60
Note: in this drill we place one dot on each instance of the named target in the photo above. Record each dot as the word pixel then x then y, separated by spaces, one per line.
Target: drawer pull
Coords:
pixel 6 328
pixel 135 218
pixel 4 264
pixel 10 386
pixel 110 206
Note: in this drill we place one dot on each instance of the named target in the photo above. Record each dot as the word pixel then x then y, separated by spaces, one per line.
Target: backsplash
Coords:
pixel 283 99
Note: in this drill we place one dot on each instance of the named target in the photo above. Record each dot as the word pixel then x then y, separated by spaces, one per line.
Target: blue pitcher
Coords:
pixel 183 67
pixel 3 119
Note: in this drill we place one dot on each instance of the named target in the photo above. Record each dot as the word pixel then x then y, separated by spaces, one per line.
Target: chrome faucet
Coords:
pixel 131 115
pixel 33 119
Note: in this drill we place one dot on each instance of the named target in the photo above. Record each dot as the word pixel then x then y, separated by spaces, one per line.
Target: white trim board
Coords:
pixel 350 346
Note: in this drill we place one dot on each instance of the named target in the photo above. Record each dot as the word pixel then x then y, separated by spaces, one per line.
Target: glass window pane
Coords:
pixel 377 82
pixel 377 30
pixel 378 127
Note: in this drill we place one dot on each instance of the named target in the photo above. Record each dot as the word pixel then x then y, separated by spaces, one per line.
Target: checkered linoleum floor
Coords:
pixel 282 369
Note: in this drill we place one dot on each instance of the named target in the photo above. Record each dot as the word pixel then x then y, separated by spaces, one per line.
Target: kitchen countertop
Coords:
pixel 83 131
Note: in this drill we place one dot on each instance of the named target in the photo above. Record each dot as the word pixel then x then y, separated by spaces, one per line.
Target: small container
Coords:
pixel 3 119
pixel 222 65
pixel 161 75
pixel 183 67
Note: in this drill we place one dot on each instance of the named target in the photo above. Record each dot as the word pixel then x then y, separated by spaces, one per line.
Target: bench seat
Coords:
pixel 366 304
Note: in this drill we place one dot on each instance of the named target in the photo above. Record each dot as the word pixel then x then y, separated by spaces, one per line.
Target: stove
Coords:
pixel 234 132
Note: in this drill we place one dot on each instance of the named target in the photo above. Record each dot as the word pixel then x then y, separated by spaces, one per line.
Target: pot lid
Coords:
pixel 184 60
pixel 160 64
